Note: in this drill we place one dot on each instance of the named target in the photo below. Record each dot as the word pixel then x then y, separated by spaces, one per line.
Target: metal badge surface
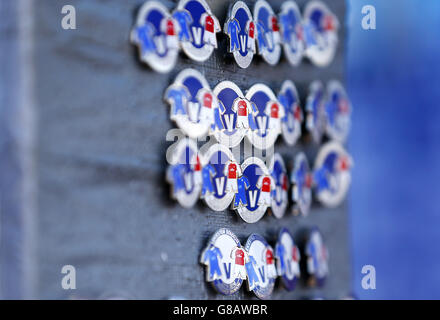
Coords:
pixel 225 261
pixel 155 35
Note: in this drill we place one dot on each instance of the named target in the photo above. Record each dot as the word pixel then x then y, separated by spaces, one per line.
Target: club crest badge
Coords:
pixel 268 32
pixel 184 173
pixel 316 258
pixel 338 112
pixel 241 31
pixel 225 261
pixel 220 173
pixel 291 122
pixel 254 190
pixel 193 104
pixel 267 116
pixel 281 181
pixel 261 270
pixel 315 111
pixel 198 29
pixel 332 174
pixel 155 35
pixel 236 114
pixel 292 32
pixel 320 33
pixel 287 256
pixel 302 181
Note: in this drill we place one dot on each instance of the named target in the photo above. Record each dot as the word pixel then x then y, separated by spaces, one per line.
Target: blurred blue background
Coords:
pixel 393 78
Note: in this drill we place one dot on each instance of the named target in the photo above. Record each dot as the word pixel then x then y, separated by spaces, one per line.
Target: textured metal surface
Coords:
pixel 103 203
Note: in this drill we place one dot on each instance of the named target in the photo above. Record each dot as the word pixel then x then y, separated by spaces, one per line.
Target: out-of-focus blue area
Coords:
pixel 393 78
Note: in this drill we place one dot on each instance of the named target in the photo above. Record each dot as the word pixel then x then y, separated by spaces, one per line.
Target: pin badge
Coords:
pixel 240 29
pixel 302 181
pixel 193 105
pixel 291 122
pixel 184 173
pixel 219 177
pixel 332 174
pixel 225 261
pixel 338 112
pixel 315 111
pixel 316 258
pixel 267 116
pixel 321 33
pixel 254 190
pixel 198 29
pixel 155 35
pixel 261 270
pixel 281 181
pixel 292 32
pixel 268 32
pixel 288 257
pixel 236 114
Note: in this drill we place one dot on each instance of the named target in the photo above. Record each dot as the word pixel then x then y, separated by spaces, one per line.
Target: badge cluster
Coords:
pixel 192 27
pixel 250 188
pixel 228 263
pixel 229 115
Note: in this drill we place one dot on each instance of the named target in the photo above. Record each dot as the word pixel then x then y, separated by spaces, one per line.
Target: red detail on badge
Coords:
pixel 275 26
pixel 309 180
pixel 239 257
pixel 274 110
pixel 170 28
pixel 251 30
pixel 209 24
pixel 207 100
pixel 242 108
pixel 295 254
pixel 297 113
pixel 197 166
pixel 344 106
pixel 269 256
pixel 285 183
pixel 344 164
pixel 232 171
pixel 266 184
pixel 328 23
pixel 299 31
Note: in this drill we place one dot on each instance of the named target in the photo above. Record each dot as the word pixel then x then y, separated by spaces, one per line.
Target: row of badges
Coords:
pixel 252 187
pixel 228 263
pixel 230 115
pixel 192 27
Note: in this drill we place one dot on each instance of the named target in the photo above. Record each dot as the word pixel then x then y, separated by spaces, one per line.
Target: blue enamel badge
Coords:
pixel 315 111
pixel 317 258
pixel 183 173
pixel 155 35
pixel 268 32
pixel 288 257
pixel 302 180
pixel 261 270
pixel 281 181
pixel 320 33
pixel 198 28
pixel 293 116
pixel 241 31
pixel 292 32
pixel 254 190
pixel 332 175
pixel 225 261
pixel 338 112
pixel 194 107
pixel 236 114
pixel 219 172
pixel 267 117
